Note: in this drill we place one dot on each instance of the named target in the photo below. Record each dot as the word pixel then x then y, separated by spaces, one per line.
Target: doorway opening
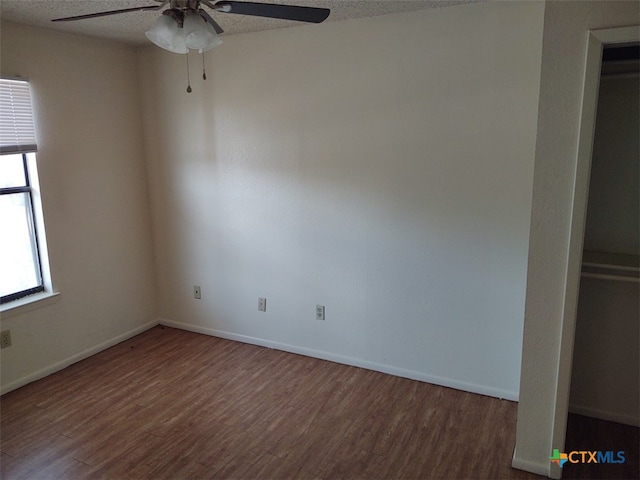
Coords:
pixel 604 399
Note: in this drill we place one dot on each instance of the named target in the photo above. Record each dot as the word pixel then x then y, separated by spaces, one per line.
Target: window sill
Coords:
pixel 26 304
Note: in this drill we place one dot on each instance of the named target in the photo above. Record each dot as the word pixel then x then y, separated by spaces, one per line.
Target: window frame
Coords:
pixel 35 240
pixel 18 136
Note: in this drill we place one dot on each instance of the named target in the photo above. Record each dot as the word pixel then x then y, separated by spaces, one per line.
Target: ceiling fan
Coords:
pixel 199 28
pixel 186 25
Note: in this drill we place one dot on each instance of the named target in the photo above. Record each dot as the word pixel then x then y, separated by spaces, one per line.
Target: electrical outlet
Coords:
pixel 197 293
pixel 262 304
pixel 319 312
pixel 5 338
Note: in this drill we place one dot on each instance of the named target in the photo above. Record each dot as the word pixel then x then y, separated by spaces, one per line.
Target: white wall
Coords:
pixel 381 167
pixel 613 212
pixel 93 183
pixel 605 381
pixel 546 362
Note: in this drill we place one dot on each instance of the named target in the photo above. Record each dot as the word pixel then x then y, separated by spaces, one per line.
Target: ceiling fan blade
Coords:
pixel 284 12
pixel 111 12
pixel 213 23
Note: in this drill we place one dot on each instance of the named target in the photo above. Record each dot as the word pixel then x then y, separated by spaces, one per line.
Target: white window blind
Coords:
pixel 17 134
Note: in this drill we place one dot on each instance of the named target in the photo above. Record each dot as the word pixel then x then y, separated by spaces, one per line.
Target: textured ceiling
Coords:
pixel 130 27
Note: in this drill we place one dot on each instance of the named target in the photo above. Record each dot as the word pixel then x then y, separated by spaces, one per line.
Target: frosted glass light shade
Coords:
pixel 199 34
pixel 213 42
pixel 166 34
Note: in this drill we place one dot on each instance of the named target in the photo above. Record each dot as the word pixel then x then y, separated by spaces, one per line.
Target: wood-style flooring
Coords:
pixel 589 434
pixel 170 404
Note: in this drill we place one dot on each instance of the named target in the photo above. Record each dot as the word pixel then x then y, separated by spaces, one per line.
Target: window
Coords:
pixel 21 265
pixel 19 255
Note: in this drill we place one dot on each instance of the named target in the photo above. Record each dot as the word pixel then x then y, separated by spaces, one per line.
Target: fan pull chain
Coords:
pixel 204 73
pixel 188 79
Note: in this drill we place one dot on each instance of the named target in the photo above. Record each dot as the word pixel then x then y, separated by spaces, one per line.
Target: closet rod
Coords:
pixel 616 278
pixel 620 74
pixel 629 268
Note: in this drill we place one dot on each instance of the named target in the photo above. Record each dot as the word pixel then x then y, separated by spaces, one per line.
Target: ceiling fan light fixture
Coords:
pixel 166 34
pixel 185 25
pixel 199 34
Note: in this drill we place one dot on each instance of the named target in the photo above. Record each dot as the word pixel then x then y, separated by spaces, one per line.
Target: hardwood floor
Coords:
pixel 177 405
pixel 588 434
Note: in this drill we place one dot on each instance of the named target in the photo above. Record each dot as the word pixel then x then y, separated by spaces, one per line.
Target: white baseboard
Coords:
pixel 632 420
pixel 531 466
pixel 356 362
pixel 75 358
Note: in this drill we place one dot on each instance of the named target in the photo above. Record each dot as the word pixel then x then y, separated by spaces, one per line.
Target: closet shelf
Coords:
pixel 611 266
